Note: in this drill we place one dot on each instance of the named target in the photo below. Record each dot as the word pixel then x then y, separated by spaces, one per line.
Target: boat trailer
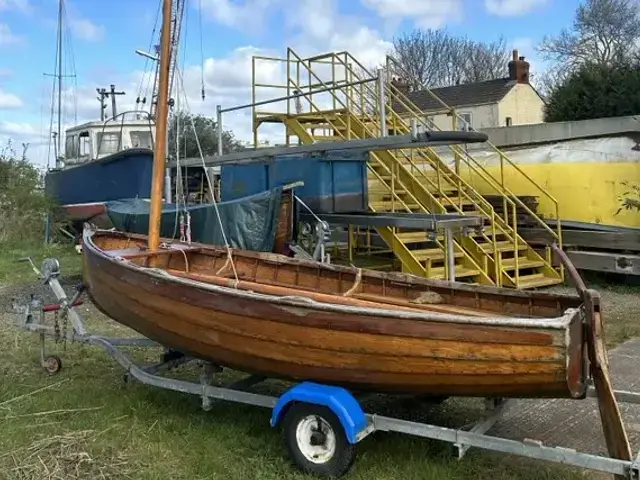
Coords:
pixel 321 424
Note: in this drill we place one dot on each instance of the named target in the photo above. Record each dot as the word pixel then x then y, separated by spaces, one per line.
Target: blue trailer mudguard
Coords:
pixel 339 400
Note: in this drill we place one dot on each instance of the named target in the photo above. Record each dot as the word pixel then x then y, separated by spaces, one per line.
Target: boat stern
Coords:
pixel 577 369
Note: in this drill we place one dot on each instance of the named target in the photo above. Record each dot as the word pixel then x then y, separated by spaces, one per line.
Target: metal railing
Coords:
pixel 363 107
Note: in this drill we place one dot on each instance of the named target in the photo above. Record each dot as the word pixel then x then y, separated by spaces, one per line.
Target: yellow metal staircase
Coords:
pixel 344 101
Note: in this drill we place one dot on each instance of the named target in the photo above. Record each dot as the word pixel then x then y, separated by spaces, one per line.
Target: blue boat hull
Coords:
pixel 83 190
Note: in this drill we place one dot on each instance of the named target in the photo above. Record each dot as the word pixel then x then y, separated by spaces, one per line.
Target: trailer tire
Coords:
pixel 52 364
pixel 316 441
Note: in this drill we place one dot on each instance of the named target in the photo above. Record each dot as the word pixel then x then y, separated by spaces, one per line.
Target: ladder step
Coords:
pixel 523 262
pixel 504 246
pixel 440 272
pixel 386 192
pixel 326 138
pixel 413 237
pixel 388 206
pixel 537 280
pixel 432 254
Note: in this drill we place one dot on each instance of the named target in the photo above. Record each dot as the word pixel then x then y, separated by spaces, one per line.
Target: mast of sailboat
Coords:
pixel 59 134
pixel 160 148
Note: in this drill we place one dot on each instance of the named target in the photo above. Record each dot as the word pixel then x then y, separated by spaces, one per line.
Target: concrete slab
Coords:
pixel 576 423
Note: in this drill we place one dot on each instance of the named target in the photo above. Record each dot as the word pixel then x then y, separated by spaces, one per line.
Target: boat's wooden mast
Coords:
pixel 160 151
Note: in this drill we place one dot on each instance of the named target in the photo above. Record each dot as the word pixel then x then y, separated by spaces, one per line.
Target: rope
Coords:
pixel 355 285
pixel 204 167
pixel 299 200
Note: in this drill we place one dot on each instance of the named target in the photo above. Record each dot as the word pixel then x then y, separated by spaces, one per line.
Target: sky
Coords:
pixel 218 42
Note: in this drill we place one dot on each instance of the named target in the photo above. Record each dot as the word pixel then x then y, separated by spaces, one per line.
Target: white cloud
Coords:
pixel 19 5
pixel 7 37
pixel 23 134
pixel 510 8
pixel 313 27
pixel 425 14
pixel 85 29
pixel 246 15
pixel 17 129
pixel 9 100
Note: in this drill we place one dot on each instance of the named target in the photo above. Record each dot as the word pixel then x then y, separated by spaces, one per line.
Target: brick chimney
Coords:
pixel 519 68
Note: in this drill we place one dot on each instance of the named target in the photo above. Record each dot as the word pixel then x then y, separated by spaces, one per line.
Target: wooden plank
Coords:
pixel 615 434
pixel 585 238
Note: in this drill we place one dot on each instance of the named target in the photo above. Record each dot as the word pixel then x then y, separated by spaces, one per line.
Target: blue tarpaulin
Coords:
pixel 249 223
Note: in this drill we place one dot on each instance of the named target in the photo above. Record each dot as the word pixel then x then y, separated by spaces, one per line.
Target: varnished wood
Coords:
pixel 160 147
pixel 615 434
pixel 366 330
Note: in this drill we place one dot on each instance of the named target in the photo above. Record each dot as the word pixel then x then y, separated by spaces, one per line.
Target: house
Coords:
pixel 500 102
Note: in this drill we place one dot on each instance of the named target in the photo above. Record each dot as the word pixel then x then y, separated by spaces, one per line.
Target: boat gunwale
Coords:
pixel 561 322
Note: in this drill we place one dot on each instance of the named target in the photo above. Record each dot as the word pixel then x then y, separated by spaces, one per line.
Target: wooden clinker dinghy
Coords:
pixel 367 330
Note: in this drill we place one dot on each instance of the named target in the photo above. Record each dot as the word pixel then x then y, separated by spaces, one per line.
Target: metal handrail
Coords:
pixel 409 106
pixel 393 193
pixel 488 208
pixel 122 114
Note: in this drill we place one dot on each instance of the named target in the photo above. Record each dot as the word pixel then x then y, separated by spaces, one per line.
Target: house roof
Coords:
pixel 480 93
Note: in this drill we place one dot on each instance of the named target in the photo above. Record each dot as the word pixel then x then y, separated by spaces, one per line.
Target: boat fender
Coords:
pixel 339 400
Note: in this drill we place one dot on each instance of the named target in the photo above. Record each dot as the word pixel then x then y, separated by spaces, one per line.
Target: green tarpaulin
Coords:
pixel 249 223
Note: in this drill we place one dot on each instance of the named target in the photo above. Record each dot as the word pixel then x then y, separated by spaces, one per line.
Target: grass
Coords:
pixel 12 271
pixel 87 423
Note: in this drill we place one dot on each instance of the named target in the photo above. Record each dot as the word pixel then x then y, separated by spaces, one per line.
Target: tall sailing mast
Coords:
pixel 56 103
pixel 162 112
pixel 177 12
pixel 59 130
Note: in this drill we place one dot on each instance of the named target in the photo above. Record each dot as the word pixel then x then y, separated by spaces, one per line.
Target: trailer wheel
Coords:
pixel 316 441
pixel 52 364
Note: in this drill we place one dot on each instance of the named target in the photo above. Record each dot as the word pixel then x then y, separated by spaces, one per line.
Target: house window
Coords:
pixel 509 121
pixel 465 121
pixel 141 139
pixel 109 142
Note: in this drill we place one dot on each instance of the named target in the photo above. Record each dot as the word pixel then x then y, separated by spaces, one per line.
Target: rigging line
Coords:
pixel 177 134
pixel 201 48
pixel 42 95
pixel 53 101
pixel 72 59
pixel 204 167
pixel 147 60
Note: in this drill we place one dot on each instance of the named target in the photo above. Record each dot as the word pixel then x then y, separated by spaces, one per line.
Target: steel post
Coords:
pixel 451 258
pixel 382 105
pixel 219 126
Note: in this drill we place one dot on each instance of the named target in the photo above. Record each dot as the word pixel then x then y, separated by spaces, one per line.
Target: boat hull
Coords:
pixel 84 189
pixel 364 351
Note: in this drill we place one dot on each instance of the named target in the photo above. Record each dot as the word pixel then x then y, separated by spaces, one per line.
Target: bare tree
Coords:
pixel 436 58
pixel 603 31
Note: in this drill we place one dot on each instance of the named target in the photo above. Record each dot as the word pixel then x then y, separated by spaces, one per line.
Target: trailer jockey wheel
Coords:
pixel 316 440
pixel 52 364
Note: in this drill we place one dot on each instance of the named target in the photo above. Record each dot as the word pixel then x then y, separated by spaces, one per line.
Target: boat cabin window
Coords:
pixel 71 146
pixel 141 139
pixel 84 145
pixel 109 142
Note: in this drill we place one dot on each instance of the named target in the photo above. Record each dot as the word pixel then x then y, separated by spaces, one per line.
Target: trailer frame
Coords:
pixel 338 413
